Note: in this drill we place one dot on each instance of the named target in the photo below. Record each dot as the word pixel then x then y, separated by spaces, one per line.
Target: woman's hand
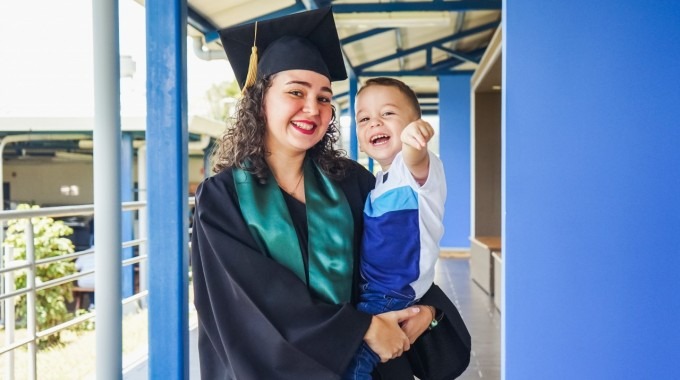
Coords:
pixel 385 337
pixel 416 324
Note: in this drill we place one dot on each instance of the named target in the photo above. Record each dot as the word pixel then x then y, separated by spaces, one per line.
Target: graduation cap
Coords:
pixel 300 41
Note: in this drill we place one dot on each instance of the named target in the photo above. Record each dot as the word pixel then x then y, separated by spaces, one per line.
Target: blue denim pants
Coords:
pixel 373 302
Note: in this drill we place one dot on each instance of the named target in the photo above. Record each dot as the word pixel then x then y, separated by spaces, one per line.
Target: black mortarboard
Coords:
pixel 300 41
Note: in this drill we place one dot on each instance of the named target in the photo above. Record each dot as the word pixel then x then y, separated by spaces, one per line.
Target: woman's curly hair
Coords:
pixel 242 143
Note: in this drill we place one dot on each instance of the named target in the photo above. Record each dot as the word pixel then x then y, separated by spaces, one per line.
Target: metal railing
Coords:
pixel 29 265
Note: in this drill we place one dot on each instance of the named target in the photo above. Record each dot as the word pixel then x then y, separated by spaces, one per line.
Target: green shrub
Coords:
pixel 49 241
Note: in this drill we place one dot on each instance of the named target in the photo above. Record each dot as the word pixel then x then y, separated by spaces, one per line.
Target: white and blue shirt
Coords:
pixel 403 224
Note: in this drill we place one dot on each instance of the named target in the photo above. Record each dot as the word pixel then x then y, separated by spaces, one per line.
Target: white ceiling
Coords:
pixel 414 30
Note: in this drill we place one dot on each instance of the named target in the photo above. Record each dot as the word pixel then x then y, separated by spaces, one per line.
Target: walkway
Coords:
pixel 477 309
pixel 480 315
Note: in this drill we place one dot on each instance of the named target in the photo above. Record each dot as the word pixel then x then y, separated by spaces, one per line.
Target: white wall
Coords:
pixel 40 182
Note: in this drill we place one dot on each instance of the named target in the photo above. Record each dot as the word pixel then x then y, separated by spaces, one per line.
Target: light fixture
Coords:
pixel 393 19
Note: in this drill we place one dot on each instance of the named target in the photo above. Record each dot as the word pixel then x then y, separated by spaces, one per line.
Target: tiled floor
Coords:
pixel 480 315
pixel 476 307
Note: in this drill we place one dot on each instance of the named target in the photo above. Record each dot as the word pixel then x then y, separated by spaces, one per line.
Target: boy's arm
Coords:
pixel 414 139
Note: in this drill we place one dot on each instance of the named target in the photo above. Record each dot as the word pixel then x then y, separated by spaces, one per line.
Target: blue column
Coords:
pixel 353 142
pixel 454 151
pixel 591 190
pixel 167 139
pixel 127 195
pixel 207 160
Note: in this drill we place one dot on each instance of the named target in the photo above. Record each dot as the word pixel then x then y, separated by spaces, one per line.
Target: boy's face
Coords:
pixel 382 113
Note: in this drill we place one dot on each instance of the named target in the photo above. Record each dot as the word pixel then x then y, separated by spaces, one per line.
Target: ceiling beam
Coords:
pixel 457 36
pixel 472 56
pixel 210 30
pixel 299 6
pixel 417 73
pixel 419 6
pixel 199 22
pixel 362 35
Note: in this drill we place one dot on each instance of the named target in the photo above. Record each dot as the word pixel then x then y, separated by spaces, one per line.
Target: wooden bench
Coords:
pixel 481 261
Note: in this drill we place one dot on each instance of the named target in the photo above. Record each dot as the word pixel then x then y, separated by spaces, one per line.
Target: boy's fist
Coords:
pixel 417 134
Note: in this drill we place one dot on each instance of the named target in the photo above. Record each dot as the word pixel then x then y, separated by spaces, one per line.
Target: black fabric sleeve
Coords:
pixel 257 320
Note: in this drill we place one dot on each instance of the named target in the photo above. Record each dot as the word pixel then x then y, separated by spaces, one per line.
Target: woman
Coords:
pixel 277 230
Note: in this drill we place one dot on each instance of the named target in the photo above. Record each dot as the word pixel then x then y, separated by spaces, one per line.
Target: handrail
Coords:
pixel 32 287
pixel 62 211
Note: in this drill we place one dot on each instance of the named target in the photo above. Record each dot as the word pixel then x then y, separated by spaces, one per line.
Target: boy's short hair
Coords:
pixel 401 86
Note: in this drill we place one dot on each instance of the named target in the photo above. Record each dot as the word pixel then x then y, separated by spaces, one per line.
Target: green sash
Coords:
pixel 330 228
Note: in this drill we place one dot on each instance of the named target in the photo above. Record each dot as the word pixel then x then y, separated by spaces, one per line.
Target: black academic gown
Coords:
pixel 256 319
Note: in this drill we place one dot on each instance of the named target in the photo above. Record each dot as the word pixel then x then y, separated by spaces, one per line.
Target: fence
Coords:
pixel 8 295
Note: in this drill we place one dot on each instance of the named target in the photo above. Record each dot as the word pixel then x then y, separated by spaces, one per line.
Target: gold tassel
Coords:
pixel 252 65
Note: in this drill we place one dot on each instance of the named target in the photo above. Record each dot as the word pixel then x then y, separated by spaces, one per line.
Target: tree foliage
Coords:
pixel 49 241
pixel 221 98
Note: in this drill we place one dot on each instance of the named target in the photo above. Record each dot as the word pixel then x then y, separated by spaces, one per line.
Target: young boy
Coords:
pixel 403 214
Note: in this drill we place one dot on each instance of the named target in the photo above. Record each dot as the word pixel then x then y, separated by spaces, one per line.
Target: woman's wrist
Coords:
pixel 435 318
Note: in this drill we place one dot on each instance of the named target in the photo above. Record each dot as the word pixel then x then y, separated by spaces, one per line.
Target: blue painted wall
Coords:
pixel 591 190
pixel 454 151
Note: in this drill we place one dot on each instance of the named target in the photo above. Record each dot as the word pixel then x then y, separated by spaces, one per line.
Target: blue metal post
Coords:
pixel 207 160
pixel 454 151
pixel 167 139
pixel 353 146
pixel 126 195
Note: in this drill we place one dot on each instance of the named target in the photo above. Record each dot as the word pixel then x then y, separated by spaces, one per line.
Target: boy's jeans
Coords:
pixel 373 302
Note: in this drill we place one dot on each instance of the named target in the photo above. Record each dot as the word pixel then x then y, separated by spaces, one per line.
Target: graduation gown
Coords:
pixel 256 319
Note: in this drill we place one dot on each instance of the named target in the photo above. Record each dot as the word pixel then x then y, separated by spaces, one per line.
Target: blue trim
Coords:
pixel 454 37
pixel 362 35
pixel 199 21
pixel 444 65
pixel 421 6
pixel 167 139
pixel 353 143
pixel 468 56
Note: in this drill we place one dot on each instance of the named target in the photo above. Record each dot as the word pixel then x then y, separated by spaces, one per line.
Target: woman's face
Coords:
pixel 297 109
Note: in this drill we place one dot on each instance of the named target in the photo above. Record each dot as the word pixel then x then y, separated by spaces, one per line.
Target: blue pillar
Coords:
pixel 454 151
pixel 591 190
pixel 207 159
pixel 353 142
pixel 127 195
pixel 167 139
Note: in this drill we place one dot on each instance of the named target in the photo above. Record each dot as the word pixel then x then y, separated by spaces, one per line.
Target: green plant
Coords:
pixel 49 241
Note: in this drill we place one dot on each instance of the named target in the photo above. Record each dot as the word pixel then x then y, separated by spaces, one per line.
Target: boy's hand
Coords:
pixel 414 139
pixel 417 134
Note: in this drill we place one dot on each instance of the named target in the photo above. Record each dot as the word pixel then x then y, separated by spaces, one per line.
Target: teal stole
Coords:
pixel 330 229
